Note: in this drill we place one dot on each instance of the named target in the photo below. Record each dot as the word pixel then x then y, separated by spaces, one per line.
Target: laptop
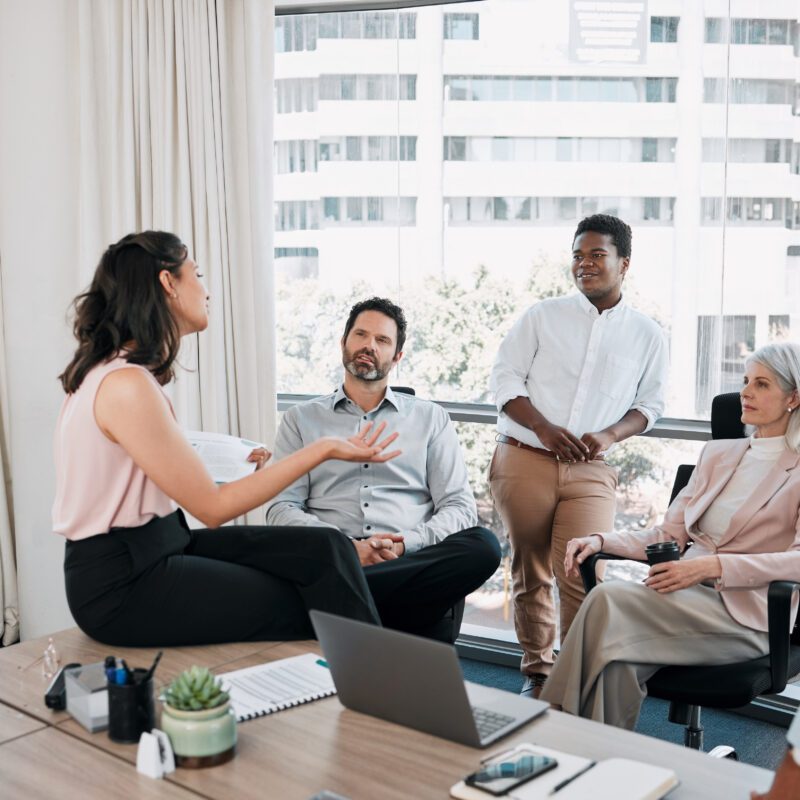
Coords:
pixel 416 682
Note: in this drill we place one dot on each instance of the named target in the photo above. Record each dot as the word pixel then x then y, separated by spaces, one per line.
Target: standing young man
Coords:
pixel 413 519
pixel 575 375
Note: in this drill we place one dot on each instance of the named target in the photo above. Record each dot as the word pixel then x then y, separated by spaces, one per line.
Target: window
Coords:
pixel 652 208
pixel 568 89
pixel 779 328
pixel 501 175
pixel 716 30
pixel 664 29
pixel 385 210
pixel 750 90
pixel 363 25
pixel 731 339
pixel 748 210
pixel 293 95
pixel 296 215
pixel 751 31
pixel 461 26
pixel 367 87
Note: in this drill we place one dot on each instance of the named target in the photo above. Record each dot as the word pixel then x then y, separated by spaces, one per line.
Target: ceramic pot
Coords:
pixel 200 738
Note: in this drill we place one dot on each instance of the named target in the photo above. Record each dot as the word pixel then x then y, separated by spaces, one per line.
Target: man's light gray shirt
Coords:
pixel 423 494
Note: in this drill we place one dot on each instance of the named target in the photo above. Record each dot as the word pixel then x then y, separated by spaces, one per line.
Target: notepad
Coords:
pixel 610 779
pixel 277 685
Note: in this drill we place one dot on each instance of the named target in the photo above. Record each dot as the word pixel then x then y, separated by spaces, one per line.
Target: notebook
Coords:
pixel 610 779
pixel 267 688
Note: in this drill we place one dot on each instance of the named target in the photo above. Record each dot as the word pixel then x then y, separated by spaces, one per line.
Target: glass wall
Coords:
pixel 443 156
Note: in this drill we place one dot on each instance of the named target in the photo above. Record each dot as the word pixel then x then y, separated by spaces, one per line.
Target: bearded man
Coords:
pixel 412 519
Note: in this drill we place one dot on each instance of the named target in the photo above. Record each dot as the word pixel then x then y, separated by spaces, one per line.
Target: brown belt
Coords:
pixel 503 439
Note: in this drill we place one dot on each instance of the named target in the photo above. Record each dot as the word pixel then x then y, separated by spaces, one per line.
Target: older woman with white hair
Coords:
pixel 740 512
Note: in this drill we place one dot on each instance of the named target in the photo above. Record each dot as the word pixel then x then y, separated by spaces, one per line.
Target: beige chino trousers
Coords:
pixel 543 504
pixel 625 632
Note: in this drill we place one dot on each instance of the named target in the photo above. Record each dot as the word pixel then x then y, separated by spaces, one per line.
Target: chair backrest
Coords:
pixel 403 390
pixel 726 423
pixel 726 417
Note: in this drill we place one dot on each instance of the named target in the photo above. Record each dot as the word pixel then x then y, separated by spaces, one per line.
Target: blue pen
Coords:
pixel 110 668
pixel 120 673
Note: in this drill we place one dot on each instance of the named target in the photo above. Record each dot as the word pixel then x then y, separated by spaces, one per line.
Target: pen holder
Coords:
pixel 131 711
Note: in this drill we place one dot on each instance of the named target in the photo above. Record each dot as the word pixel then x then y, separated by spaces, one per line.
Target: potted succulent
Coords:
pixel 198 718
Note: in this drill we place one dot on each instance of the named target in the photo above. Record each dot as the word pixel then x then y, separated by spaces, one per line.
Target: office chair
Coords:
pixel 725 686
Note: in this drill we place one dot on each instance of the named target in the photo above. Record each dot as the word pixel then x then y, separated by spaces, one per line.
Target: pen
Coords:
pixel 559 786
pixel 152 669
pixel 110 668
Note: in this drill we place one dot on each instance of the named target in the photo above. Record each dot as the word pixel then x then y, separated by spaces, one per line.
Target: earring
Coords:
pixel 174 295
pixel 789 410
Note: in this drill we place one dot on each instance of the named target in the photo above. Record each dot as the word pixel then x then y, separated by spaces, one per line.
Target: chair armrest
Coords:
pixel 779 609
pixel 588 573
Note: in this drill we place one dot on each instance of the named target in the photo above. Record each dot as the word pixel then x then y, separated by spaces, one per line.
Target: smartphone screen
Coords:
pixel 502 776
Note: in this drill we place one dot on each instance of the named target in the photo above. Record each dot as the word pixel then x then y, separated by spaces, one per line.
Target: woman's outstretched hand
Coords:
pixel 578 550
pixel 364 446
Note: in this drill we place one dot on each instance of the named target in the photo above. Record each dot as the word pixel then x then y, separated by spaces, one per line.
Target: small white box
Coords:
pixel 87 696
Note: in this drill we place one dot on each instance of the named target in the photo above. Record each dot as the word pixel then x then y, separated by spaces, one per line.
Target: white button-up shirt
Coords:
pixel 582 369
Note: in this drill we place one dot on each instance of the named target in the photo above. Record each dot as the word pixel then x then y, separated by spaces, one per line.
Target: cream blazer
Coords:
pixel 762 543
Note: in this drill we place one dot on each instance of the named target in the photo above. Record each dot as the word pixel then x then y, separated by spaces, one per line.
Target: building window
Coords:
pixel 732 337
pixel 393 211
pixel 368 148
pixel 366 25
pixel 296 215
pixel 749 151
pixel 760 91
pixel 751 31
pixel 293 34
pixel 461 26
pixel 747 210
pixel 367 87
pixel 563 148
pixel 664 29
pixel 779 328
pixel 295 95
pixel 296 155
pixel 565 89
pixel 652 208
pixel 649 149
pixel 553 210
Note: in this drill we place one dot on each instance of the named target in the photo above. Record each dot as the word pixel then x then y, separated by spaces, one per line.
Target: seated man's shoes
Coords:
pixel 533 685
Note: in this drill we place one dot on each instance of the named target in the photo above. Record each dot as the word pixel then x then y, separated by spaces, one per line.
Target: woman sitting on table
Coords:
pixel 740 511
pixel 135 574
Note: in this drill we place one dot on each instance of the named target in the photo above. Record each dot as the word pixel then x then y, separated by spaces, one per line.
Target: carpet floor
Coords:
pixel 759 743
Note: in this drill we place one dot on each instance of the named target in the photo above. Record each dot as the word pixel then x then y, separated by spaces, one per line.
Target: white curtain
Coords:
pixel 9 601
pixel 176 134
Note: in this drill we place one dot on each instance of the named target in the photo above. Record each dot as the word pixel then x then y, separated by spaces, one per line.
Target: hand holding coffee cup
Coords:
pixel 662 551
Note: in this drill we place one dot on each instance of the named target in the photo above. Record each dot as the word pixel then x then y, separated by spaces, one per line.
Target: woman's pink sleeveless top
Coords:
pixel 98 485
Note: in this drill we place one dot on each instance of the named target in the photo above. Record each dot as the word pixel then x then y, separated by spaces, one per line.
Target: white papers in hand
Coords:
pixel 225 456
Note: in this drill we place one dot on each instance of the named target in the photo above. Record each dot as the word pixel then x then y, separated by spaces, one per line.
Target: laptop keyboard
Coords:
pixel 489 722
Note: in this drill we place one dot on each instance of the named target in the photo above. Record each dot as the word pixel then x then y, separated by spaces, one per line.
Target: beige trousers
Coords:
pixel 544 503
pixel 625 632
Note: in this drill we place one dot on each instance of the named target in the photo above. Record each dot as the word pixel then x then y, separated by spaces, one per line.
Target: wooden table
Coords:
pixel 295 753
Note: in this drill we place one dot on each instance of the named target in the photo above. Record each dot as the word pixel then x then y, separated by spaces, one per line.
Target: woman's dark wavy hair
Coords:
pixel 126 304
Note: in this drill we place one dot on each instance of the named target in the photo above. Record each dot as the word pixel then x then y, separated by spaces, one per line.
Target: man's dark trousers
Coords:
pixel 422 592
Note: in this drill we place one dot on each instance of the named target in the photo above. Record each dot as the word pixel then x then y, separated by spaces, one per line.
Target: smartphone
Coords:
pixel 500 777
